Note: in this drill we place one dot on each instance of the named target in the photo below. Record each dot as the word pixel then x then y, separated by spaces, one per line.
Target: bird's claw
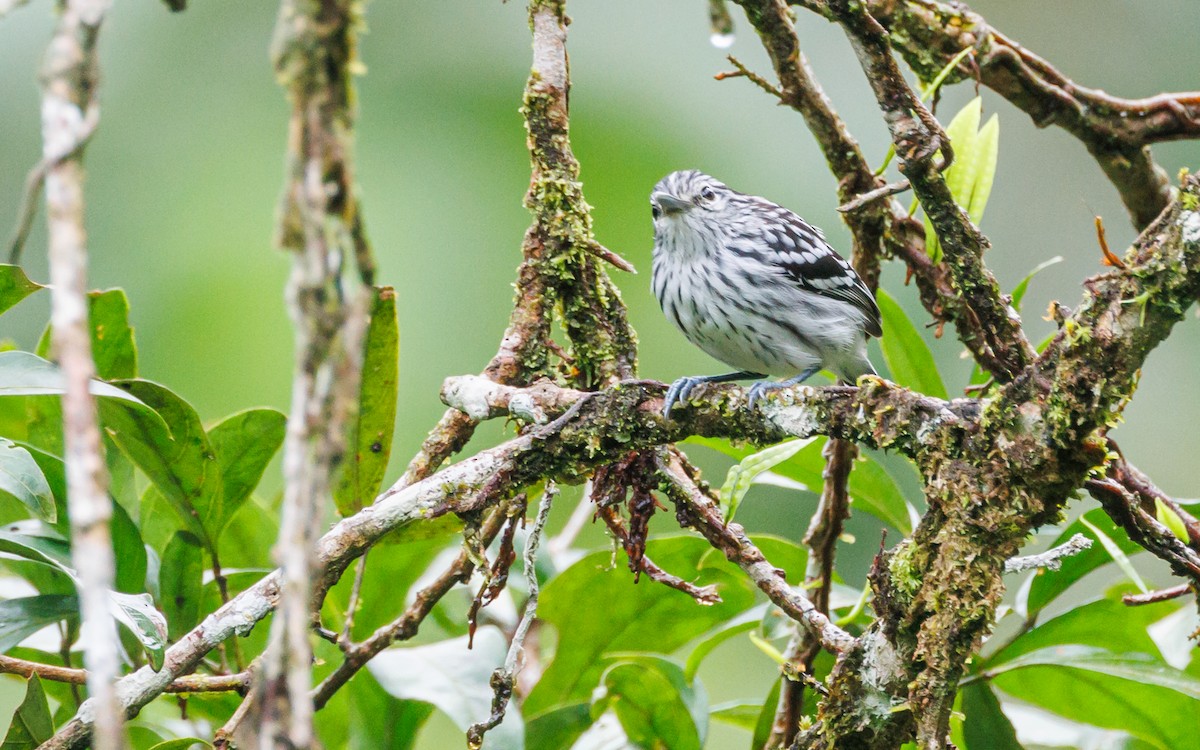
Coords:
pixel 760 389
pixel 679 391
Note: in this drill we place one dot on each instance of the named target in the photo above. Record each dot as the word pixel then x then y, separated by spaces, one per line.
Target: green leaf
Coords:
pixel 745 622
pixel 14 286
pixel 54 553
pixel 22 479
pixel 31 724
pixel 1116 553
pixel 743 714
pixel 180 463
pixel 986 151
pixel 1169 518
pixel 1131 692
pixel 362 472
pixel 455 680
pixel 766 719
pixel 908 356
pixel 129 553
pixel 21 618
pixel 137 613
pixel 1105 623
pixel 559 726
pixel 1047 585
pixel 1018 292
pixel 377 720
pixel 25 374
pixel 985 726
pixel 655 704
pixel 872 488
pixel 636 617
pixel 743 474
pixel 244 444
pixel 963 132
pixel 180 581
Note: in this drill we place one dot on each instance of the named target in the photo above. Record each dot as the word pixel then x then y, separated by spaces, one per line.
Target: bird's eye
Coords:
pixel 655 211
pixel 707 194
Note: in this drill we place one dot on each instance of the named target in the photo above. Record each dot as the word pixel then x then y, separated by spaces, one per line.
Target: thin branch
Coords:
pixel 705 595
pixel 1154 597
pixel 194 683
pixel 1051 559
pixel 70 78
pixel 504 677
pixel 704 514
pixel 1116 131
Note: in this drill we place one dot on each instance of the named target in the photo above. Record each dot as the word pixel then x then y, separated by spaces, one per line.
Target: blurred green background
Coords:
pixel 185 172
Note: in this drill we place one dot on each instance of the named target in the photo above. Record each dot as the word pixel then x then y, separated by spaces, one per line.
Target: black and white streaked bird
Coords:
pixel 755 286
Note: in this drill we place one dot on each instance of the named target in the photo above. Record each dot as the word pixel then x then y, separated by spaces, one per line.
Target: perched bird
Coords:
pixel 755 286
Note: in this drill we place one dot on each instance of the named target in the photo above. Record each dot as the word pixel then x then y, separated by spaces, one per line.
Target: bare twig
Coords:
pixel 1051 559
pixel 1154 597
pixel 69 112
pixel 195 683
pixel 504 677
pixel 705 595
pixel 890 189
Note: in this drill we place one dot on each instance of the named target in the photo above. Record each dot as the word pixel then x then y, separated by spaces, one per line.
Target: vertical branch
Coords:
pixel 314 53
pixel 69 112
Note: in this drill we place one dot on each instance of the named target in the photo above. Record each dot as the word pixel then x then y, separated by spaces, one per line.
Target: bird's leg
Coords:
pixel 762 388
pixel 681 388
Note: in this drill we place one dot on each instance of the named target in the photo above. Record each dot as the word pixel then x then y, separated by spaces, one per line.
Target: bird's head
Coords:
pixel 690 198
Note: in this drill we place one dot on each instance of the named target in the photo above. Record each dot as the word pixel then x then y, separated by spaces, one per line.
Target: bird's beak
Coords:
pixel 670 204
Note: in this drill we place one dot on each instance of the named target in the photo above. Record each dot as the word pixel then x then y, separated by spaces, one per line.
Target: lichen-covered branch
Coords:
pixel 328 297
pixel 70 79
pixel 1117 132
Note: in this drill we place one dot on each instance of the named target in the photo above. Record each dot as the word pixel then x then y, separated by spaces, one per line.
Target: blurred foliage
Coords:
pixel 183 179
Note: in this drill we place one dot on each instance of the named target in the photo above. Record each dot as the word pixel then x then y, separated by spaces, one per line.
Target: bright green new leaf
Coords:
pixel 656 705
pixel 14 286
pixel 743 714
pixel 22 617
pixel 1169 518
pixel 31 724
pixel 1106 623
pixel 362 472
pixel 1018 292
pixel 907 355
pixel 22 479
pixel 743 474
pixel 986 153
pixel 1116 553
pixel 971 176
pixel 244 444
pixel 181 743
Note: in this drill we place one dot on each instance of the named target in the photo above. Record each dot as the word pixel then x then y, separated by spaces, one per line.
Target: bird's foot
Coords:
pixel 762 388
pixel 679 391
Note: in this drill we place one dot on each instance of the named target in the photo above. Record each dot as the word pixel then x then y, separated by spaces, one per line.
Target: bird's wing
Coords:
pixel 808 260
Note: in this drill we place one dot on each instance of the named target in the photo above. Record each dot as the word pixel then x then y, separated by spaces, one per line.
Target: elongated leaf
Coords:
pixel 31 724
pixel 743 714
pixel 1018 292
pixel 129 553
pixel 181 462
pixel 986 153
pixel 113 349
pixel 872 488
pixel 1131 692
pixel 54 553
pixel 22 479
pixel 1047 585
pixel 908 356
pixel 25 374
pixel 181 743
pixel 655 704
pixel 743 623
pixel 1116 553
pixel 137 613
pixel 180 581
pixel 21 618
pixel 963 131
pixel 766 719
pixel 743 474
pixel 1106 624
pixel 244 444
pixel 14 286
pixel 455 680
pixel 636 617
pixel 371 433
pixel 985 727
pixel 559 726
pixel 1169 518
